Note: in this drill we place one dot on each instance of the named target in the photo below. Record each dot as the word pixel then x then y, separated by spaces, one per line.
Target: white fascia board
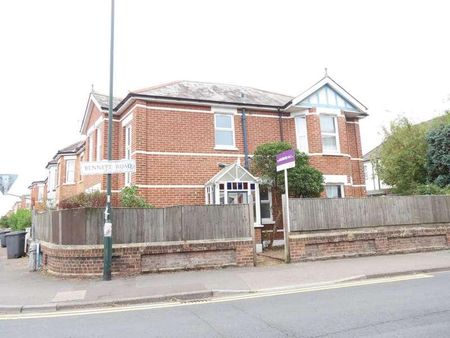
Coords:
pixel 91 102
pixel 70 157
pixel 328 81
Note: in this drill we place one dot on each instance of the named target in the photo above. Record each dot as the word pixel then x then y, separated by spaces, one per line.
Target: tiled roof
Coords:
pixel 216 92
pixel 73 148
pixel 103 100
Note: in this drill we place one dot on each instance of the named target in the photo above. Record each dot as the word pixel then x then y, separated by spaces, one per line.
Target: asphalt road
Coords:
pixel 404 308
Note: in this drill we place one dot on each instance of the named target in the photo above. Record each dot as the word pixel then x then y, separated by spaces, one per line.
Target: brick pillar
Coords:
pixel 258 239
pixel 297 249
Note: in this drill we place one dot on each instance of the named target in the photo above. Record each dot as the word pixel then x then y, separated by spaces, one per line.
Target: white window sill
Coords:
pixel 267 222
pixel 333 154
pixel 69 183
pixel 225 148
pixel 256 225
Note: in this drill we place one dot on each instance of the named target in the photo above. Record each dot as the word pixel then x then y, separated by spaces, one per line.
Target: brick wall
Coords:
pixel 183 129
pixel 389 240
pixel 132 259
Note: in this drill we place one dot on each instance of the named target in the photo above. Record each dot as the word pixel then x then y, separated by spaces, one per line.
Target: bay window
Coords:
pixel 302 135
pixel 128 151
pixel 70 171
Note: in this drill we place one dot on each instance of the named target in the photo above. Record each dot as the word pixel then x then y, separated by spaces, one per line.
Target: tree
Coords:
pixel 20 220
pixel 438 156
pixel 4 221
pixel 402 162
pixel 304 180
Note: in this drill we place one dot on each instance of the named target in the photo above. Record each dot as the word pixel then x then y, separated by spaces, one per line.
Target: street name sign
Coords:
pixel 108 167
pixel 286 160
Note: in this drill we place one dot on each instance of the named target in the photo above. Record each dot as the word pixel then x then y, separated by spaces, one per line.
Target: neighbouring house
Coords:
pixel 193 141
pixel 38 194
pixel 64 172
pixel 374 185
pixel 25 202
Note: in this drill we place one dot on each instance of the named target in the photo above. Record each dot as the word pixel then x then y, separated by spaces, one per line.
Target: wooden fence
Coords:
pixel 132 225
pixel 346 213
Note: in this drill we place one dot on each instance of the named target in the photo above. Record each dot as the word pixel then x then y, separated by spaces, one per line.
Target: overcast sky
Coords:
pixel 391 55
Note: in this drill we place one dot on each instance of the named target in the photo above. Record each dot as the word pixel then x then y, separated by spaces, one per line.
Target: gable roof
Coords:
pixel 101 101
pixel 328 81
pixel 74 148
pixel 373 154
pixel 212 93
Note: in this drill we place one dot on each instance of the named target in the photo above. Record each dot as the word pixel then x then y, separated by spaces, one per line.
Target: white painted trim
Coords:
pixel 306 132
pixel 127 120
pixel 232 129
pixel 225 148
pixel 175 186
pixel 142 152
pixel 352 122
pixel 356 159
pixel 341 91
pixel 223 110
pixel 69 157
pixel 335 179
pixel 358 185
pixel 329 111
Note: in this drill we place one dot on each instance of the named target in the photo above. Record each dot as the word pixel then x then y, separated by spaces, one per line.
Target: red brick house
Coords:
pixel 38 194
pixel 183 133
pixel 64 179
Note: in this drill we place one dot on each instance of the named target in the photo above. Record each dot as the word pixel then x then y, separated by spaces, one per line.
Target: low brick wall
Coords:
pixel 364 242
pixel 133 259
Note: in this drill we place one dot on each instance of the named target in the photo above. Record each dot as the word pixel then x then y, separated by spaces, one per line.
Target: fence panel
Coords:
pixel 349 213
pixel 135 225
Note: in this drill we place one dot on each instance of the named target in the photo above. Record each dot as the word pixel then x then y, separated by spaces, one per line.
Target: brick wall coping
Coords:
pixel 362 232
pixel 243 240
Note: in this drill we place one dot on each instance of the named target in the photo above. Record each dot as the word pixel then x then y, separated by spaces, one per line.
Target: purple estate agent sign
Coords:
pixel 286 160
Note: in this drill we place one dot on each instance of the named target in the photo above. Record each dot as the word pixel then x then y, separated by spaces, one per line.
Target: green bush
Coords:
pixel 430 189
pixel 130 198
pixel 20 220
pixel 4 221
pixel 438 156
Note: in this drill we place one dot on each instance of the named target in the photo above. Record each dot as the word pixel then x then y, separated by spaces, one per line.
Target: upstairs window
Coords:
pixel 302 135
pixel 328 128
pixel 224 130
pixel 91 147
pixel 70 171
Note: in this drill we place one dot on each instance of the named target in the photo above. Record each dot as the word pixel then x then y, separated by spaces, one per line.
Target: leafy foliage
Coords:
pixel 438 156
pixel 304 180
pixel 4 221
pixel 403 156
pixel 20 220
pixel 84 200
pixel 130 198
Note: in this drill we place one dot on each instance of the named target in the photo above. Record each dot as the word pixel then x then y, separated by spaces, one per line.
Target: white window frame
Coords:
pixel 99 144
pixel 91 147
pixel 335 134
pixel 232 129
pixel 268 201
pixel 67 181
pixel 298 134
pixel 341 189
pixel 128 141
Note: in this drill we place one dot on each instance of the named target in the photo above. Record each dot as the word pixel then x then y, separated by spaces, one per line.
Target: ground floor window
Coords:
pixel 334 190
pixel 265 198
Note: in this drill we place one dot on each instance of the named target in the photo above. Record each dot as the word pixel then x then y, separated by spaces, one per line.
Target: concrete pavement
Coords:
pixel 22 291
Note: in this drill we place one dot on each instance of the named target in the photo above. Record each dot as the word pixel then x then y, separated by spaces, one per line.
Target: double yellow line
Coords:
pixel 106 310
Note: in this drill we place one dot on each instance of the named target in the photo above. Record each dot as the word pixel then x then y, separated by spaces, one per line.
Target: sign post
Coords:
pixel 108 168
pixel 285 161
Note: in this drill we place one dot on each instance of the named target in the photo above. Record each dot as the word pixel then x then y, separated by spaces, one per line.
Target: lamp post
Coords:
pixel 107 230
